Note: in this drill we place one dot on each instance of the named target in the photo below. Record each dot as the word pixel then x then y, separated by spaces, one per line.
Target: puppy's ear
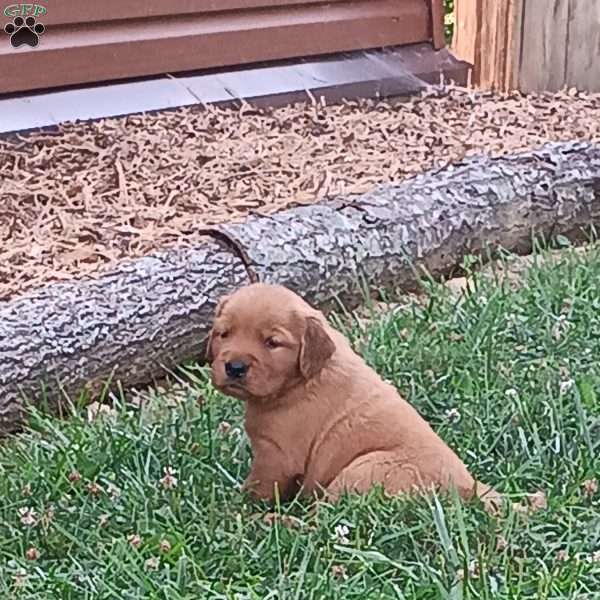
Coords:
pixel 316 348
pixel 218 311
pixel 220 306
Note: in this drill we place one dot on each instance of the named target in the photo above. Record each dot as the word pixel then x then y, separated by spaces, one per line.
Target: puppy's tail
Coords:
pixel 492 499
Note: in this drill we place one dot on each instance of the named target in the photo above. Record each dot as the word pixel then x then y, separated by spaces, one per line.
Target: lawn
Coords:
pixel 144 503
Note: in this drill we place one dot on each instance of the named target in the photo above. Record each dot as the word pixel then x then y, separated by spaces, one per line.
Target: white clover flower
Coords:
pixel 453 415
pixel 28 517
pixel 169 481
pixel 341 534
pixel 566 385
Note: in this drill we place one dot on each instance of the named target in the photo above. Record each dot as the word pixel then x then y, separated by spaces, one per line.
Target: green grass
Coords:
pixel 449 19
pixel 510 378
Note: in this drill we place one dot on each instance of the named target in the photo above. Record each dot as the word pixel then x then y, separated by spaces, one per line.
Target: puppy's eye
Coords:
pixel 224 335
pixel 272 343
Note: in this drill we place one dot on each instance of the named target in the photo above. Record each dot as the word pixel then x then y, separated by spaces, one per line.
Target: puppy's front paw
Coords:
pixel 260 490
pixel 272 490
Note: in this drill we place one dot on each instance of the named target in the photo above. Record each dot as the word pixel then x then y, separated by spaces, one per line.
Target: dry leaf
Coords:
pixel 95 410
pixel 538 501
pixel 532 503
pixel 284 520
pixel 590 487
pixel 32 554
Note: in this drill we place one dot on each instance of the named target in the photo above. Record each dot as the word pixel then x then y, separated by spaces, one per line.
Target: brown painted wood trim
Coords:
pixel 72 55
pixel 78 11
pixel 437 20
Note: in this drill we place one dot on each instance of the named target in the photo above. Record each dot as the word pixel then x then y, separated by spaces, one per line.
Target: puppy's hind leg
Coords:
pixel 366 471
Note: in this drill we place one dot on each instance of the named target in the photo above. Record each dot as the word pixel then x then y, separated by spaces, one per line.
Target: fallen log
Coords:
pixel 133 324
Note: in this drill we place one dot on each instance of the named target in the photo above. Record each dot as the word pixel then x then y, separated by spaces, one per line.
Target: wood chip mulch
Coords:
pixel 75 201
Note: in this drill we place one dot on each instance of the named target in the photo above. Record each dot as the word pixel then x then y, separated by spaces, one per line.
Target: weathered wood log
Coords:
pixel 132 324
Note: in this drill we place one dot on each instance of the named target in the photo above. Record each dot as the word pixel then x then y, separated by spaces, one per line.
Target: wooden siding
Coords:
pixel 530 45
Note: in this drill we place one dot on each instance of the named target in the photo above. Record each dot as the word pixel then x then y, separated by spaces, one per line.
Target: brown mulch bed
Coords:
pixel 74 202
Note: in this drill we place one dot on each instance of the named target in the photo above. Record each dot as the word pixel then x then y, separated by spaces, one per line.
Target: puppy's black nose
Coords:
pixel 236 369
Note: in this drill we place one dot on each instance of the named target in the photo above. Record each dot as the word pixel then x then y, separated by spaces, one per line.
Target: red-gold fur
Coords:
pixel 316 413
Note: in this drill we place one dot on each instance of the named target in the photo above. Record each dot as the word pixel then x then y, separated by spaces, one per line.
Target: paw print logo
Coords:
pixel 24 31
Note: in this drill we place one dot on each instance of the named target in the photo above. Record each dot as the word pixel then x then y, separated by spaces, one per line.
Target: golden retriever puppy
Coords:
pixel 316 414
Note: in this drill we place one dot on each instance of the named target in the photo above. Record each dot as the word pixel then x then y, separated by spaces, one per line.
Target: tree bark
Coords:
pixel 137 322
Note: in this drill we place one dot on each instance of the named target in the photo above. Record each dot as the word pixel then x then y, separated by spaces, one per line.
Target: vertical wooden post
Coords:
pixel 514 38
pixel 561 45
pixel 487 34
pixel 466 38
pixel 545 39
pixel 530 45
pixel 582 67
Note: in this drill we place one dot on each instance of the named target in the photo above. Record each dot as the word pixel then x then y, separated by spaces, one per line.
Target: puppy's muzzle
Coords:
pixel 236 370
